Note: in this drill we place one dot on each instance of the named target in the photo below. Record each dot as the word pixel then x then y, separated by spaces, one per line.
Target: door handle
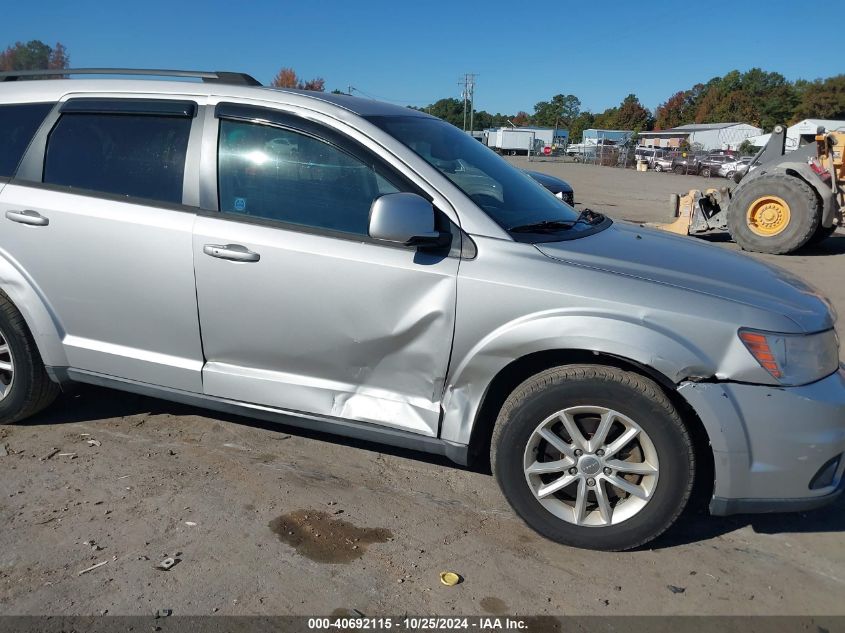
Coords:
pixel 232 252
pixel 27 217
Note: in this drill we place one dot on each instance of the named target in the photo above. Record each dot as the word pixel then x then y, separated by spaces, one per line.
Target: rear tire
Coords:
pixel 775 213
pixel 610 517
pixel 705 172
pixel 658 167
pixel 678 169
pixel 26 387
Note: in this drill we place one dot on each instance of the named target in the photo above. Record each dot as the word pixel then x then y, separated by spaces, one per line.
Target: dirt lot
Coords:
pixel 127 480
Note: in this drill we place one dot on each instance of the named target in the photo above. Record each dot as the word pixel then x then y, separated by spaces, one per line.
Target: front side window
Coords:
pixel 509 196
pixel 279 174
pixel 18 124
pixel 141 156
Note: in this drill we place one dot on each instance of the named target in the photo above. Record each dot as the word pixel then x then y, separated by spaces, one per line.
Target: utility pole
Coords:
pixel 468 93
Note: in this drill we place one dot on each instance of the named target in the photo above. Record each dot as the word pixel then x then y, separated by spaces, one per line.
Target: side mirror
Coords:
pixel 404 218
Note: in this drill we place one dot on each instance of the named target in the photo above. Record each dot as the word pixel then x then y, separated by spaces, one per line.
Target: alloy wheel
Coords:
pixel 7 367
pixel 591 466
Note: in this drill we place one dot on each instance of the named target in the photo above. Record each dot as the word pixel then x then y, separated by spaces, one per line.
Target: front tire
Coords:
pixel 658 167
pixel 25 387
pixel 775 213
pixel 593 457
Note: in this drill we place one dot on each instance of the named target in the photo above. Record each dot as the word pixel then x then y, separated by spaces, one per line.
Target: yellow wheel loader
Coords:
pixel 782 202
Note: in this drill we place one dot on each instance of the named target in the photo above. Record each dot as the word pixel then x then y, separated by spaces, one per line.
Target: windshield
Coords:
pixel 508 195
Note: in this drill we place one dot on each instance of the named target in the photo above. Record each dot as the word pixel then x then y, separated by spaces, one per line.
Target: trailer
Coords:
pixel 520 140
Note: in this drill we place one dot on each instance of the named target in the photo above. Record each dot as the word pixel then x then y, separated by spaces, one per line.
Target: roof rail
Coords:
pixel 217 76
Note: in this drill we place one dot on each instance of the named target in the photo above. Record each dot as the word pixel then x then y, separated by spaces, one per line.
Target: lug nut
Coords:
pixel 573 471
pixel 578 452
pixel 591 482
pixel 607 471
pixel 600 452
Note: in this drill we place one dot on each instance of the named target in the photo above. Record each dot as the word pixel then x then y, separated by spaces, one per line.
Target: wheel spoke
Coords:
pixel 599 436
pixel 604 503
pixel 557 442
pixel 573 430
pixel 621 442
pixel 5 365
pixel 4 348
pixel 561 482
pixel 627 486
pixel 580 501
pixel 540 468
pixel 636 468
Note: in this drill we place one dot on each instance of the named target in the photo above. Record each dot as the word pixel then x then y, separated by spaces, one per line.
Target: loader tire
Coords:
pixel 775 214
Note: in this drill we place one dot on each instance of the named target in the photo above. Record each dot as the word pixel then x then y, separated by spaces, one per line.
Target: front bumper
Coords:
pixel 770 443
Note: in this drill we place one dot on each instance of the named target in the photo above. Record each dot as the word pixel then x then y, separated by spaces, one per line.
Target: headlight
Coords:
pixel 794 359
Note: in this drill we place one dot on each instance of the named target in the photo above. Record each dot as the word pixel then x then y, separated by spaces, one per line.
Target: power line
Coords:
pixel 468 94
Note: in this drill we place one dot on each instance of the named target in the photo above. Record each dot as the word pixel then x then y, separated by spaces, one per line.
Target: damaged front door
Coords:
pixel 299 308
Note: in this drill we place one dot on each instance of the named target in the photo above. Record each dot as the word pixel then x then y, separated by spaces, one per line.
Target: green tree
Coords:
pixel 821 99
pixel 559 112
pixel 34 55
pixel 632 115
pixel 584 121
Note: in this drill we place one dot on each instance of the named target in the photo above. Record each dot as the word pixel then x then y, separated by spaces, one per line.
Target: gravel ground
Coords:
pixel 104 477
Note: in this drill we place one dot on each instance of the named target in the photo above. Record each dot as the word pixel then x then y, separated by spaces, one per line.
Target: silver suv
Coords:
pixel 371 271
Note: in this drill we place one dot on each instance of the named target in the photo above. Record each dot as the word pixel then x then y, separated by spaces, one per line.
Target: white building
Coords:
pixel 806 129
pixel 706 136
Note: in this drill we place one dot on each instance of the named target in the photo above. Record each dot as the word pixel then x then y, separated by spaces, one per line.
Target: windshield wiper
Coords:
pixel 587 216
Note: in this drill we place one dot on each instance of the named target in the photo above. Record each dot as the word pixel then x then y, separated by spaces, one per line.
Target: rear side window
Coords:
pixel 141 156
pixel 18 124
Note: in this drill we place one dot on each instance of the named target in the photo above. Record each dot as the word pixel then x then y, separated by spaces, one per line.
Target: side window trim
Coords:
pixel 31 168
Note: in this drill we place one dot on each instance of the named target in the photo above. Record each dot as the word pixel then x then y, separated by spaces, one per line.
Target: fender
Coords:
pixel 37 312
pixel 615 335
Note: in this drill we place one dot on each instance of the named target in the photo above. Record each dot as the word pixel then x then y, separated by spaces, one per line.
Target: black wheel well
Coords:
pixel 512 375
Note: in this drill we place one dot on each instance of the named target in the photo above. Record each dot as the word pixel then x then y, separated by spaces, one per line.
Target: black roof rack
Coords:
pixel 216 76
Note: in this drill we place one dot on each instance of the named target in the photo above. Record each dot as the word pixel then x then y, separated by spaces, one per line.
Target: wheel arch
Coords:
pixel 520 369
pixel 36 311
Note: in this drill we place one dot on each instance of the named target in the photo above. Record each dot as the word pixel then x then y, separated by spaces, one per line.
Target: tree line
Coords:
pixel 758 97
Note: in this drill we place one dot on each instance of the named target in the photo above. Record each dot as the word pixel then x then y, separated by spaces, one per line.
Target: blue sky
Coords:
pixel 415 52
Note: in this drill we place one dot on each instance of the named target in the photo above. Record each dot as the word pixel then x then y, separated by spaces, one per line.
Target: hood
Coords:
pixel 682 262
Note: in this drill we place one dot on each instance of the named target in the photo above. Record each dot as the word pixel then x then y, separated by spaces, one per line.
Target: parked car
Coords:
pixel 399 282
pixel 650 155
pixel 710 165
pixel 557 186
pixel 689 164
pixel 738 166
pixel 664 163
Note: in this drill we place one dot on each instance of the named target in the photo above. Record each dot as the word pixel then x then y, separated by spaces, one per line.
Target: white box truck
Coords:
pixel 518 140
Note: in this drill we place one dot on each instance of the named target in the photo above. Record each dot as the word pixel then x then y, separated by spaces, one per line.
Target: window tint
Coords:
pixel 18 124
pixel 129 155
pixel 279 174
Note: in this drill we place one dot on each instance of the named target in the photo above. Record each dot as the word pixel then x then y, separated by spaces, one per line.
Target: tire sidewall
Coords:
pixel 802 224
pixel 674 456
pixel 16 399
